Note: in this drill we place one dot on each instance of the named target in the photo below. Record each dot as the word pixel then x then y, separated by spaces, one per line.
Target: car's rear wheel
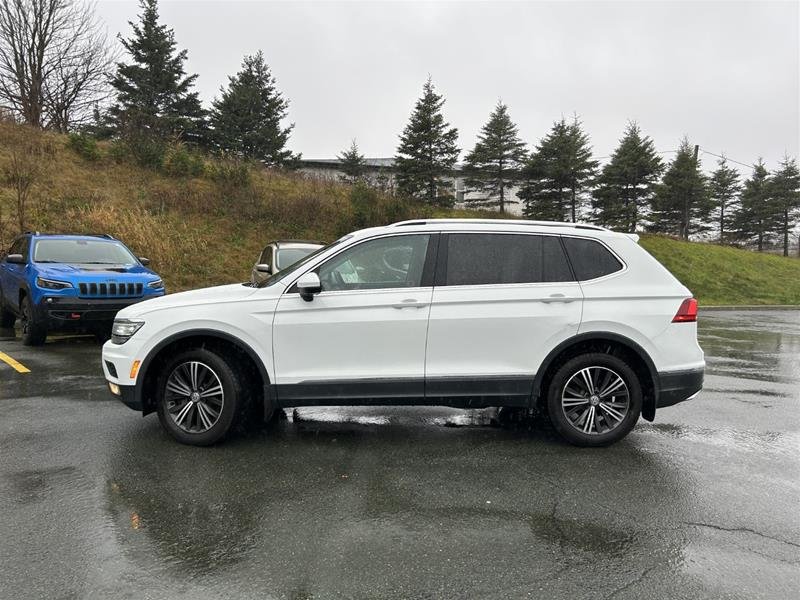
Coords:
pixel 594 399
pixel 199 397
pixel 7 318
pixel 34 332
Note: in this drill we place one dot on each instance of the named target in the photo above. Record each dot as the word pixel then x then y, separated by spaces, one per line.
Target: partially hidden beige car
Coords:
pixel 280 254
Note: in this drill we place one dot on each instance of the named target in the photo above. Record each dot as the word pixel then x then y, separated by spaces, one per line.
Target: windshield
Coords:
pixel 298 265
pixel 288 256
pixel 87 252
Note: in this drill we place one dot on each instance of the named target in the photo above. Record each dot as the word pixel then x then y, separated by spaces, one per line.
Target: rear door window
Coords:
pixel 500 258
pixel 590 259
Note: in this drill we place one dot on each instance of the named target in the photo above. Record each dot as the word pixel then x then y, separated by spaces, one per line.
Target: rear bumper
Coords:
pixel 677 386
pixel 71 312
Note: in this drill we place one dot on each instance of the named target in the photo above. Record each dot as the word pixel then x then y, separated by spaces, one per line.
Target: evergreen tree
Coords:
pixel 427 151
pixel 756 218
pixel 724 188
pixel 352 163
pixel 682 205
pixel 246 118
pixel 559 169
pixel 154 94
pixel 495 163
pixel 784 192
pixel 626 185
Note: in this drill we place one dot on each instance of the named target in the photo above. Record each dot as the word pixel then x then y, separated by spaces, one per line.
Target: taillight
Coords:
pixel 687 313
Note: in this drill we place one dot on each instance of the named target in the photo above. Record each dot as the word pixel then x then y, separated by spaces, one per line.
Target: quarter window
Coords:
pixel 590 259
pixel 496 258
pixel 383 263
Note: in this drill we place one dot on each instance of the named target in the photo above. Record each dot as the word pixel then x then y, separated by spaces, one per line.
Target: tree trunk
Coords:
pixel 786 233
pixel 722 223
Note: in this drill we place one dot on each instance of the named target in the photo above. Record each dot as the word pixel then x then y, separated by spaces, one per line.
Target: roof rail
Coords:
pixel 500 221
pixel 107 236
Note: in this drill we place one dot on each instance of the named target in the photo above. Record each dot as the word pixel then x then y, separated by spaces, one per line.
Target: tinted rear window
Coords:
pixel 486 258
pixel 590 259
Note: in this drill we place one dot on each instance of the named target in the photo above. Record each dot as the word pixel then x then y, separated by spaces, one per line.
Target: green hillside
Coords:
pixel 720 275
pixel 203 222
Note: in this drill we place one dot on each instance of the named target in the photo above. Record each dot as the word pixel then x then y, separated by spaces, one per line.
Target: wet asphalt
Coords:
pixel 97 502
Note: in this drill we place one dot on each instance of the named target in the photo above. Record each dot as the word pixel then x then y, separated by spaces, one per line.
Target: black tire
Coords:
pixel 34 332
pixel 7 318
pixel 615 429
pixel 229 413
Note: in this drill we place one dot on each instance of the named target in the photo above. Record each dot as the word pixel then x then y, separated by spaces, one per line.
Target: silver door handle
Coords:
pixel 557 298
pixel 409 303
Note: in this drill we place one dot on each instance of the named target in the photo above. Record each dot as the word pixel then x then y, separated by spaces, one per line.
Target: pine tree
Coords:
pixel 353 164
pixel 627 183
pixel 784 193
pixel 494 165
pixel 154 94
pixel 246 118
pixel 682 206
pixel 755 220
pixel 427 151
pixel 558 170
pixel 724 189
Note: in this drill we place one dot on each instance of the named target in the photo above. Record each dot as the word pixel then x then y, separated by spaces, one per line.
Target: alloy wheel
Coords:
pixel 194 397
pixel 595 400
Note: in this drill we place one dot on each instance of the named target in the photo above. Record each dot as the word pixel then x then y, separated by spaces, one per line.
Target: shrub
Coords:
pixel 84 146
pixel 231 172
pixel 179 161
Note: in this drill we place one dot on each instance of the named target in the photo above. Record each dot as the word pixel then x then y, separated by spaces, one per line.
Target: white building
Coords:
pixel 380 173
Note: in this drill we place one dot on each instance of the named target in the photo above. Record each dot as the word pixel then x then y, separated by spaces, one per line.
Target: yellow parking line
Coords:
pixel 18 367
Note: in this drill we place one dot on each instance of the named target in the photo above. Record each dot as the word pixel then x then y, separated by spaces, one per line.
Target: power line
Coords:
pixel 704 151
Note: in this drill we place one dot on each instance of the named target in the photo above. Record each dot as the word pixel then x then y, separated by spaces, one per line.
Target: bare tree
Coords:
pixel 53 60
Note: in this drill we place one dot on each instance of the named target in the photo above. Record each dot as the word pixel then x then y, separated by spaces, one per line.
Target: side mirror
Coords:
pixel 308 285
pixel 265 269
pixel 15 259
pixel 144 261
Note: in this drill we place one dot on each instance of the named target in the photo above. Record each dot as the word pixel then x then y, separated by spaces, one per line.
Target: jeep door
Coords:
pixel 362 338
pixel 501 303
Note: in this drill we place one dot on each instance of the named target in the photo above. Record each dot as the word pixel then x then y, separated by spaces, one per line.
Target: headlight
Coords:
pixel 124 329
pixel 156 285
pixel 50 284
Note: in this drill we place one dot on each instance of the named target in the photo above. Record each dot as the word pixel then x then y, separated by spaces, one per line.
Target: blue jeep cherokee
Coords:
pixel 70 282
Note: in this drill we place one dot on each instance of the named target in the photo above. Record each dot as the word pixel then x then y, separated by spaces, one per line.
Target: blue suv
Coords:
pixel 70 282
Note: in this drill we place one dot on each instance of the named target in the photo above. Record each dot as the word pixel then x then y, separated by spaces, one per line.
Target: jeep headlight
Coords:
pixel 156 285
pixel 124 329
pixel 52 284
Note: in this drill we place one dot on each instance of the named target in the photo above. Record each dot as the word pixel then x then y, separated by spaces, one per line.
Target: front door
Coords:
pixel 362 338
pixel 501 302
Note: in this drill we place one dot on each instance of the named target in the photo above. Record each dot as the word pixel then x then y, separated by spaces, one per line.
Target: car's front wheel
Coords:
pixel 594 399
pixel 199 396
pixel 34 332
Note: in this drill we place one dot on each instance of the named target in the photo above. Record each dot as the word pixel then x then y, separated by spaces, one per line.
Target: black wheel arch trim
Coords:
pixel 138 393
pixel 648 405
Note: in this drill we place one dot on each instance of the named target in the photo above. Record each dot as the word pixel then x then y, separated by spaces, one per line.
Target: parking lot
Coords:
pixel 405 502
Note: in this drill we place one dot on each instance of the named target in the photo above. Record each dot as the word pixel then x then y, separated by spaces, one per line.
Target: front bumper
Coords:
pixel 127 395
pixel 76 313
pixel 677 386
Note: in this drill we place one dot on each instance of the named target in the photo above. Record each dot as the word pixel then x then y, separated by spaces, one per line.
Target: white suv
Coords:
pixel 573 320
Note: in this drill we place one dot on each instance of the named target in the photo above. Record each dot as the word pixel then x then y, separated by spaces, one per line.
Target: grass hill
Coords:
pixel 203 221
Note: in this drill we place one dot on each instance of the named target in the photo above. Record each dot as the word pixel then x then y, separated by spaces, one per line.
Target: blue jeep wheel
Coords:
pixel 34 333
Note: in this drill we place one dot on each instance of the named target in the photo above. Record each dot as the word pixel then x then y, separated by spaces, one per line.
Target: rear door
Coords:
pixel 501 302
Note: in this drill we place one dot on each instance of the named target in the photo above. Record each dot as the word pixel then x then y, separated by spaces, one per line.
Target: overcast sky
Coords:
pixel 727 74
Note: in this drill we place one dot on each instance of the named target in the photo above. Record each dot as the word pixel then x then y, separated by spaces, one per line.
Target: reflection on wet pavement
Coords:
pixel 430 502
